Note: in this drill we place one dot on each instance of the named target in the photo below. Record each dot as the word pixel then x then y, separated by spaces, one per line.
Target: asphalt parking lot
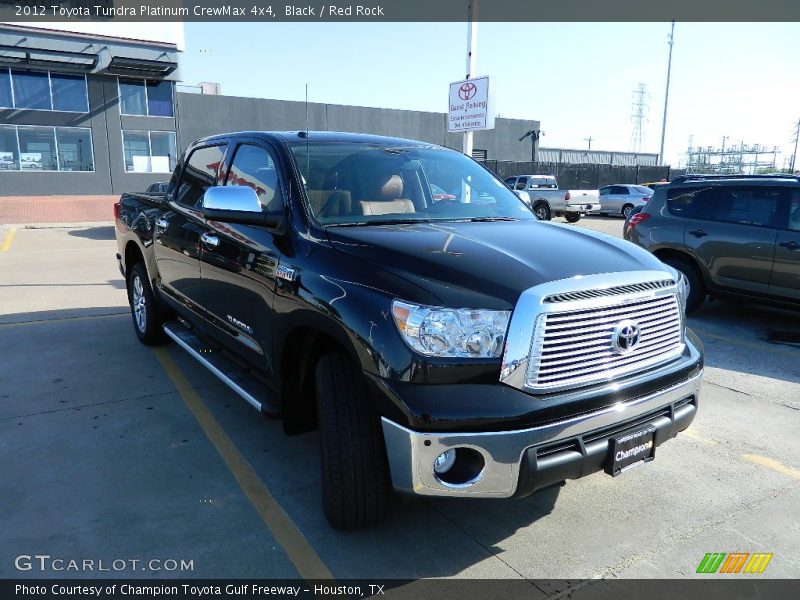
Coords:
pixel 115 451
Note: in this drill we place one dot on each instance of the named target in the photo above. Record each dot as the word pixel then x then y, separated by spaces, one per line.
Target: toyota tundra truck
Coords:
pixel 542 194
pixel 450 346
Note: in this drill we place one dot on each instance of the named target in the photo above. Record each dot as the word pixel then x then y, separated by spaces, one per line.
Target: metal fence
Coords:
pixel 584 176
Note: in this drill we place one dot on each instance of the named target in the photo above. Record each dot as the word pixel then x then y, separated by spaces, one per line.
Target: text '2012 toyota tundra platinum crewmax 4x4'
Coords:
pixel 451 347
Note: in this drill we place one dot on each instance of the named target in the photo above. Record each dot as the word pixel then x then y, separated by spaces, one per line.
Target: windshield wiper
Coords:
pixel 489 219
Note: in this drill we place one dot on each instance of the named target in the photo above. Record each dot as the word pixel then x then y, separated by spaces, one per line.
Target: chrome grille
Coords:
pixel 610 291
pixel 577 347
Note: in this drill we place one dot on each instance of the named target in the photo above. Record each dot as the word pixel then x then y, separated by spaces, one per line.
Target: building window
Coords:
pixel 9 152
pixel 69 92
pixel 74 149
pixel 32 149
pixel 149 151
pixel 37 149
pixel 6 100
pixel 42 90
pixel 31 90
pixel 146 98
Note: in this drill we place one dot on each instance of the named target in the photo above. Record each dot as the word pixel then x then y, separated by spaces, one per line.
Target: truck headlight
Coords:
pixel 452 332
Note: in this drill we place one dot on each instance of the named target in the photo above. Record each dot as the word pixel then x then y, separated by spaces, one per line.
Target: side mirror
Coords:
pixel 237 204
pixel 232 197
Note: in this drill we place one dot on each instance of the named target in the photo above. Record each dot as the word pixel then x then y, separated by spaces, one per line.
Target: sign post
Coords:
pixel 470 106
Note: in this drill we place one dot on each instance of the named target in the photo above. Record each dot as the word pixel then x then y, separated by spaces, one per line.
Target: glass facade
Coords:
pixel 33 149
pixel 149 151
pixel 43 90
pixel 146 98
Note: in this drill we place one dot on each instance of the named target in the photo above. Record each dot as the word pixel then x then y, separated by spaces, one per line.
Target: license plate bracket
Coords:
pixel 631 449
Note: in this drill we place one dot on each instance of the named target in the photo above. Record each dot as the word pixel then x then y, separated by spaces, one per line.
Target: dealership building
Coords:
pixel 95 108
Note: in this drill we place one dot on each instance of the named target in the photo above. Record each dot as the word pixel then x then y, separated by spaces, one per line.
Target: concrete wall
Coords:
pixel 199 116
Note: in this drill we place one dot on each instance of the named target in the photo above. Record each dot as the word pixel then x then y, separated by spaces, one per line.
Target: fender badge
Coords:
pixel 285 272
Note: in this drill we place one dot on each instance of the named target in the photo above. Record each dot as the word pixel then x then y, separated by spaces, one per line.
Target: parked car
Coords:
pixel 542 194
pixel 457 347
pixel 620 199
pixel 730 236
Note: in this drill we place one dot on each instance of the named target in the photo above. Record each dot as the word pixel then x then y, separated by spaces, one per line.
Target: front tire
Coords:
pixel 572 217
pixel 355 470
pixel 542 211
pixel 145 312
pixel 697 289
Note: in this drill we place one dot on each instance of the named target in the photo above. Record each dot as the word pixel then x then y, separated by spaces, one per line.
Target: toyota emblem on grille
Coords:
pixel 625 337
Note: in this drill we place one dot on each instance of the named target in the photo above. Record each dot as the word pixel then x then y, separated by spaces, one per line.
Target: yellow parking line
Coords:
pixel 303 556
pixel 9 238
pixel 692 433
pixel 772 464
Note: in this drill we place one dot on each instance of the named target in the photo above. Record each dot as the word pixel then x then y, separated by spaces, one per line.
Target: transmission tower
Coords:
pixel 639 117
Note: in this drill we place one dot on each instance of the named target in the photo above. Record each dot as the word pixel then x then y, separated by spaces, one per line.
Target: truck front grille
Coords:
pixel 579 347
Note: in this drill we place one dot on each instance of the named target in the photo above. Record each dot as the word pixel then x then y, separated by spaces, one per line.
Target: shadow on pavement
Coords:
pixel 104 233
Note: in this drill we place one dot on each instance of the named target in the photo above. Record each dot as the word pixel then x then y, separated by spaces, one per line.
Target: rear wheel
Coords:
pixel 572 217
pixel 542 211
pixel 146 314
pixel 626 210
pixel 697 289
pixel 355 470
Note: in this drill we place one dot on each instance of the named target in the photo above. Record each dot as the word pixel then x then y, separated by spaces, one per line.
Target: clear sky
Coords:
pixel 740 80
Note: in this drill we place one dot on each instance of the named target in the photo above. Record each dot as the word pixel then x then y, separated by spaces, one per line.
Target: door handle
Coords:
pixel 698 233
pixel 792 245
pixel 162 223
pixel 209 240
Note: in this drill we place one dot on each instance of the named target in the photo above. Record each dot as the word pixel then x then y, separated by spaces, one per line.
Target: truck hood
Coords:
pixel 487 265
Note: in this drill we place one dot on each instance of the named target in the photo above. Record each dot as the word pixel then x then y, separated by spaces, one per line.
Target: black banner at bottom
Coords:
pixel 733 588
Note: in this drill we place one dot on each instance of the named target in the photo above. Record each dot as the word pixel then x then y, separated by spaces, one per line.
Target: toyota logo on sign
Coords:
pixel 467 91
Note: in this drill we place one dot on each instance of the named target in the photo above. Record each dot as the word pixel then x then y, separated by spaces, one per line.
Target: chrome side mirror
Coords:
pixel 232 197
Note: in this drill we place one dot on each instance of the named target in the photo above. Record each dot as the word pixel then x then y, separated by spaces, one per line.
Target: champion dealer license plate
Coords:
pixel 631 450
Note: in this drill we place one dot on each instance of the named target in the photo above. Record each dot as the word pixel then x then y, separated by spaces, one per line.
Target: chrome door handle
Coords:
pixel 791 245
pixel 162 223
pixel 698 233
pixel 210 240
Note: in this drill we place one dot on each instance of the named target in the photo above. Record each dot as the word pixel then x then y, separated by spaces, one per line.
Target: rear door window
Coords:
pixel 521 183
pixel 689 202
pixel 200 173
pixel 747 206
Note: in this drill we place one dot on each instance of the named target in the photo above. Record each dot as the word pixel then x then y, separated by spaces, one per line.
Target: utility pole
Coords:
pixel 666 95
pixel 472 55
pixel 589 139
pixel 796 137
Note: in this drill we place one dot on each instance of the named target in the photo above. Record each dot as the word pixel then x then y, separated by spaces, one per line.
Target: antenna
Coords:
pixel 306 111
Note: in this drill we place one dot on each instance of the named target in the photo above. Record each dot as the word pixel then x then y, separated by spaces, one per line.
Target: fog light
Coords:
pixel 444 462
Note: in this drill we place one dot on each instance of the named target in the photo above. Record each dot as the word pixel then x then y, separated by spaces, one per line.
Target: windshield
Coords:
pixel 354 184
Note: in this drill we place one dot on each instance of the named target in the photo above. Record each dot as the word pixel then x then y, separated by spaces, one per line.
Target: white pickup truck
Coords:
pixel 541 193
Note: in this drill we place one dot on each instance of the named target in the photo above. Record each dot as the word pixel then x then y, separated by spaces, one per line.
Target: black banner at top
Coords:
pixel 32 11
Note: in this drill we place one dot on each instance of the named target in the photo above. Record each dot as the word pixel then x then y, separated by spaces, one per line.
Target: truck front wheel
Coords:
pixel 355 471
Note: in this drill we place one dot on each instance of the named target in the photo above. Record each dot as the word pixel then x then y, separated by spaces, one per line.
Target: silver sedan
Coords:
pixel 620 199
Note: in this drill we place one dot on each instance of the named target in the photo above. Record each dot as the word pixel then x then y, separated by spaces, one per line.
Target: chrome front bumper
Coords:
pixel 412 454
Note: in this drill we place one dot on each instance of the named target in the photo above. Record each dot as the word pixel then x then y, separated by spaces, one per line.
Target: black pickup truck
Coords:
pixel 400 298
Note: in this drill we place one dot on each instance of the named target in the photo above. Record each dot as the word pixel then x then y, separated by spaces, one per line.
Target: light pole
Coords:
pixel 666 95
pixel 534 134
